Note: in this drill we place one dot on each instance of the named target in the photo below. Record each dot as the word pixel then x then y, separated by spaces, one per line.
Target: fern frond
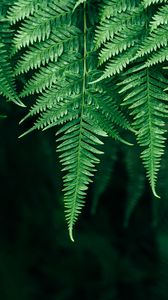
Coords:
pixel 147 99
pixel 108 108
pixel 160 18
pixel 106 124
pixel 52 74
pixel 149 2
pixel 23 9
pixel 120 43
pixel 157 57
pixel 118 64
pixel 137 35
pixel 78 143
pixel 39 55
pixel 154 46
pixel 119 38
pixel 39 26
pixel 115 25
pixel 78 2
pixel 156 40
pixel 7 83
pixel 67 63
pixel 58 94
pixel 110 8
pixel 58 63
pixel 64 37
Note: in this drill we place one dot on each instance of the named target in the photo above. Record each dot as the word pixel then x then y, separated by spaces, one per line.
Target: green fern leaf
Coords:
pixel 147 99
pixel 78 3
pixel 157 57
pixel 66 63
pixel 155 41
pixel 39 26
pixel 71 55
pixel 80 161
pixel 7 83
pixel 109 27
pixel 111 8
pixel 120 44
pixel 52 74
pixel 154 46
pixel 160 18
pixel 65 37
pixel 119 37
pixel 149 2
pixel 118 64
pixel 23 9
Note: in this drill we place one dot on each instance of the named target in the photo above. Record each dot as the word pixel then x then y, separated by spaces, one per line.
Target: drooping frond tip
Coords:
pixel 71 234
pixel 154 192
pixel 78 3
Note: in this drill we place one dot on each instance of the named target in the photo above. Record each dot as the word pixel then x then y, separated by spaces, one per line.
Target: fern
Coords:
pixel 48 17
pixel 23 9
pixel 149 2
pixel 94 69
pixel 120 36
pixel 108 28
pixel 136 35
pixel 154 46
pixel 126 46
pixel 160 18
pixel 78 3
pixel 78 147
pixel 65 61
pixel 8 89
pixel 147 100
pixel 111 8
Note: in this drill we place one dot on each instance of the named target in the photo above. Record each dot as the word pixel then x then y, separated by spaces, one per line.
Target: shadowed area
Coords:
pixel 37 258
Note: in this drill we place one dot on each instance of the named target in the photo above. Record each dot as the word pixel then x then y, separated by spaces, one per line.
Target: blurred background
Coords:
pixel 121 238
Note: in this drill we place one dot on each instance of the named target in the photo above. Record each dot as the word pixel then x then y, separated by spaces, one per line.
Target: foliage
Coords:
pixel 8 88
pixel 95 70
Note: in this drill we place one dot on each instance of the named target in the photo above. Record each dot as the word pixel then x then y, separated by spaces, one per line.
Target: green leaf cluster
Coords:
pixel 97 70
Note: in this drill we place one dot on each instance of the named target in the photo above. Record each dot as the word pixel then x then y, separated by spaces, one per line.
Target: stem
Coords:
pixel 85 51
pixel 81 121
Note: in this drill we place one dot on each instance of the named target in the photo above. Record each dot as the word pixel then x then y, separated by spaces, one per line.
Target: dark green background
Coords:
pixel 37 258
